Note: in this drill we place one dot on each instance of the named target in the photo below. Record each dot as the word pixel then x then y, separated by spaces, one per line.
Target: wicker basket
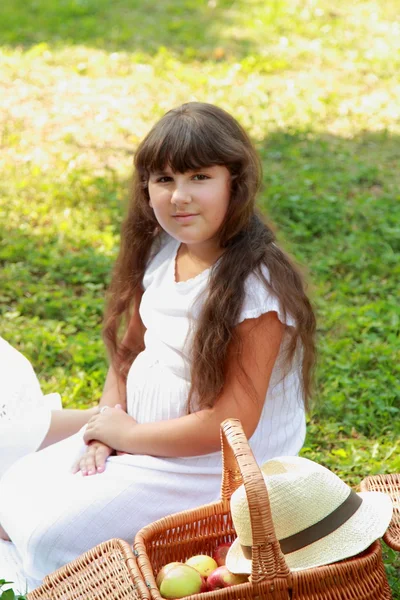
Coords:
pixel 179 536
pixel 107 572
pixel 389 484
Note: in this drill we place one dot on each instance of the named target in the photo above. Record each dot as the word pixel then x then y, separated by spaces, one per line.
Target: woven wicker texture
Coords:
pixel 179 536
pixel 389 484
pixel 108 571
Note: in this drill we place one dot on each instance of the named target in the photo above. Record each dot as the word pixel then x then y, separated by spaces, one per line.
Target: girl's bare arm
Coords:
pixel 114 391
pixel 199 433
pixel 65 423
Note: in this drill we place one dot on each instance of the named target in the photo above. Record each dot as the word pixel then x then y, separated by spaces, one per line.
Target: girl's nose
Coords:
pixel 180 195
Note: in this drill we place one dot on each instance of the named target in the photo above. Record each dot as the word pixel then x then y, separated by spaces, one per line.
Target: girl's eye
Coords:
pixel 200 177
pixel 164 179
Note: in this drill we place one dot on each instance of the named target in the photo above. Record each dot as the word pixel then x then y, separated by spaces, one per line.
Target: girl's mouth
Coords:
pixel 184 218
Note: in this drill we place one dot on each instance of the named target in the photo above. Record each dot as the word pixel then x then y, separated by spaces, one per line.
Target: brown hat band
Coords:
pixel 319 530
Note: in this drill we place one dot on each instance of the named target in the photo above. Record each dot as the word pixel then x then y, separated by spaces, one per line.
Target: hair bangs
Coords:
pixel 182 144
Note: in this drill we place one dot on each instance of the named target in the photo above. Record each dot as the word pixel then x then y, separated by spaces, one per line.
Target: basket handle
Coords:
pixel 268 561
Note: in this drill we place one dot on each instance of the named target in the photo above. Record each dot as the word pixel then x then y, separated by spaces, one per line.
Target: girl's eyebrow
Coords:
pixel 170 173
pixel 158 173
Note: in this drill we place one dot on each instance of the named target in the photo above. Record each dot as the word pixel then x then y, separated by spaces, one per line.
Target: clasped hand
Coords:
pixel 104 435
pixel 113 427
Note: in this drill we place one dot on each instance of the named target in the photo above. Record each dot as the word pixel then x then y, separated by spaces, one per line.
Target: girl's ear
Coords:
pixel 150 204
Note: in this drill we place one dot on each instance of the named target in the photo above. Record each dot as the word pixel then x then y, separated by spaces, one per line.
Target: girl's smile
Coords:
pixel 191 206
pixel 182 218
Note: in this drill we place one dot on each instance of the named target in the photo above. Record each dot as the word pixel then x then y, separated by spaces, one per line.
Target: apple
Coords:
pixel 202 563
pixel 181 580
pixel 220 553
pixel 222 578
pixel 162 573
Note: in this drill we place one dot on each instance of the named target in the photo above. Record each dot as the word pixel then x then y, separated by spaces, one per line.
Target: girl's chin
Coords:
pixel 183 235
pixel 188 235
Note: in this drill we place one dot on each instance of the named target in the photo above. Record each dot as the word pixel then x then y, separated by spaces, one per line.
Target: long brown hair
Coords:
pixel 189 137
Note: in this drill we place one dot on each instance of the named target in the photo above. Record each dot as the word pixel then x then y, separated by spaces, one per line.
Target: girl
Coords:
pixel 215 323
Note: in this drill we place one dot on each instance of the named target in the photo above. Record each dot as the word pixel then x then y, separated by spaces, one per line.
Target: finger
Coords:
pixel 102 453
pixel 88 464
pixel 79 465
pixel 88 435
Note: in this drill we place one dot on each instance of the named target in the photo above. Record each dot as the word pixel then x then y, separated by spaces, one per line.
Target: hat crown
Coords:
pixel 301 493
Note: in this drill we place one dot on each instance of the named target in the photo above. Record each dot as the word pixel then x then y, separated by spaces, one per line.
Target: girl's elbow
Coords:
pixel 249 419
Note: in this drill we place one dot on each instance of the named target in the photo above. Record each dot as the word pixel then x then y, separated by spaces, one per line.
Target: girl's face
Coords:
pixel 191 206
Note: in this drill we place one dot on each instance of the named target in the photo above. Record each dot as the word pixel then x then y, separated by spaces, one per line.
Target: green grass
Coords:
pixel 9 594
pixel 317 88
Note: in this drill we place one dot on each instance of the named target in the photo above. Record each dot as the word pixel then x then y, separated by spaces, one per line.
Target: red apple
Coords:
pixel 222 578
pixel 220 553
pixel 180 581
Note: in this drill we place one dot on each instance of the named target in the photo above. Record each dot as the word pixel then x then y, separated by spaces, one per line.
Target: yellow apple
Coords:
pixel 202 563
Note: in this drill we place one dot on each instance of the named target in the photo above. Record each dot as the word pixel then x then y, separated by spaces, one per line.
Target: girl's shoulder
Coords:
pixel 260 298
pixel 162 250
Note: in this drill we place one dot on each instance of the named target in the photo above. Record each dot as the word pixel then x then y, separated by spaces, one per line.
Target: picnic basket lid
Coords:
pixel 108 571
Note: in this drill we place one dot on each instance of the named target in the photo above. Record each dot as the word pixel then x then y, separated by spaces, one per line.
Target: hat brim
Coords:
pixel 367 525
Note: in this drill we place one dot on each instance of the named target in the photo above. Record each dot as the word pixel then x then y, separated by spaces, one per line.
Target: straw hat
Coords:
pixel 331 521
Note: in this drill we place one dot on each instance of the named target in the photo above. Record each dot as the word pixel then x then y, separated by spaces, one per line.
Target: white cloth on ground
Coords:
pixel 68 514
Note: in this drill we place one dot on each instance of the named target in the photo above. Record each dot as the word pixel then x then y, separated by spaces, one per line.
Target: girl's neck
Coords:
pixel 200 254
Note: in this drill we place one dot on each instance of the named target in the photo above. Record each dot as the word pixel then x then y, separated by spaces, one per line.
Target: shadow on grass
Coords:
pixel 191 28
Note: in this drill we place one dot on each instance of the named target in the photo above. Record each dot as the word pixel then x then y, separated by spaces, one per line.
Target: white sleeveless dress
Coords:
pixel 53 516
